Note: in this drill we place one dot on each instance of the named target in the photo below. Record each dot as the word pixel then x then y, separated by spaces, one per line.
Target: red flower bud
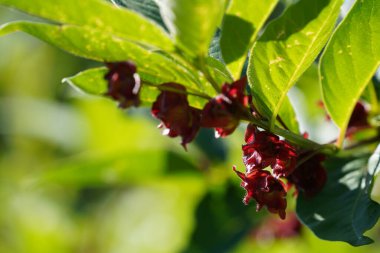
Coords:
pixel 309 177
pixel 359 118
pixel 123 83
pixel 223 112
pixel 177 116
pixel 265 189
pixel 266 149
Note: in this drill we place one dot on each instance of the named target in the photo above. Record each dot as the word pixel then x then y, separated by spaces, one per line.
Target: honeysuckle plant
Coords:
pixel 219 63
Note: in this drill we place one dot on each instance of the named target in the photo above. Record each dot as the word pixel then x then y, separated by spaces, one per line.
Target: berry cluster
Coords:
pixel 177 117
pixel 269 161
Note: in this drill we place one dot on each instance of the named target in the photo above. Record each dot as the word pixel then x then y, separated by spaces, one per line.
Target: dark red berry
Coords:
pixel 224 111
pixel 265 149
pixel 177 116
pixel 265 189
pixel 123 83
pixel 310 176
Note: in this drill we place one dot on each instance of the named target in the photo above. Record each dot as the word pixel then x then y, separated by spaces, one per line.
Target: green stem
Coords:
pixel 292 137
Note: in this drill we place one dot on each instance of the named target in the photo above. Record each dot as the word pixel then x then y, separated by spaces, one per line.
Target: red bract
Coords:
pixel 265 189
pixel 123 83
pixel 266 149
pixel 310 176
pixel 358 118
pixel 177 116
pixel 224 111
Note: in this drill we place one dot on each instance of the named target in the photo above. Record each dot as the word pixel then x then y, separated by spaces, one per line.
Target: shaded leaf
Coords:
pixel 287 48
pixel 289 117
pixel 350 60
pixel 374 169
pixel 241 24
pixel 135 216
pixel 306 96
pixel 222 214
pixel 214 50
pixel 343 210
pixel 369 95
pixel 218 71
pixel 116 169
pixel 148 8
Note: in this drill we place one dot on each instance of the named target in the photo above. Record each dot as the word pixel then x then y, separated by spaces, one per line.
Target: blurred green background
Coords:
pixel 79 175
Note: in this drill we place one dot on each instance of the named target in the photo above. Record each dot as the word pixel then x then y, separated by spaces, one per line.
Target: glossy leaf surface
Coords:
pixel 192 24
pixel 350 60
pixel 97 14
pixel 287 48
pixel 242 22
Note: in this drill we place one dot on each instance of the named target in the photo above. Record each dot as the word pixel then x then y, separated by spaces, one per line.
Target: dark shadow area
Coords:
pixel 222 221
pixel 239 34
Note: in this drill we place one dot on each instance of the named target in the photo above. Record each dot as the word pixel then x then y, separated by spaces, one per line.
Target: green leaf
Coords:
pixel 289 117
pixel 306 96
pixel 214 50
pixel 148 8
pixel 350 60
pixel 241 24
pixel 100 46
pixel 136 215
pixel 221 214
pixel 374 169
pixel 115 169
pixel 287 48
pixel 218 71
pixel 369 95
pixel 342 211
pixel 192 24
pixel 97 14
pixel 92 82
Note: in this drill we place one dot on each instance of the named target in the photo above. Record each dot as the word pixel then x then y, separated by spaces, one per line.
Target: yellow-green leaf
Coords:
pixel 287 48
pixel 350 60
pixel 241 24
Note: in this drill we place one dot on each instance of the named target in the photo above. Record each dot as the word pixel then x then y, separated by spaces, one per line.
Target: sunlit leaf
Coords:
pixel 92 82
pixel 98 45
pixel 192 24
pixel 241 24
pixel 350 60
pixel 287 48
pixel 120 22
